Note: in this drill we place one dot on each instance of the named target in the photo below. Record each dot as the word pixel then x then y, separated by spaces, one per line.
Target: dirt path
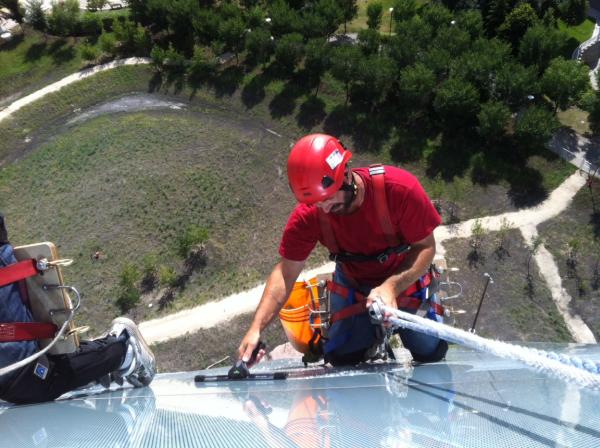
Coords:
pixel 205 316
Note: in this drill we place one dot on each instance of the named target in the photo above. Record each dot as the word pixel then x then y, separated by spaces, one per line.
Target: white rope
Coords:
pixel 584 373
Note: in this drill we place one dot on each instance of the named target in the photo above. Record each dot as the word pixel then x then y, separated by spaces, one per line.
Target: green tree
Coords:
pixel 349 11
pixel 411 38
pixel 436 15
pixel 493 120
pixel 344 64
pixel 205 24
pixel 259 46
pixel 64 18
pixel 472 22
pixel 535 126
pixel 456 104
pixel 374 15
pixel 231 31
pixel 564 82
pixel 132 38
pixel 374 75
pixel 540 45
pixel 289 50
pixel 516 24
pixel 416 85
pixel 573 11
pixel 317 60
pixel 481 64
pixel 369 41
pixel 202 67
pixel 284 19
pixel 36 16
pixel 404 10
pixel 494 13
pixel 516 84
pixel 591 103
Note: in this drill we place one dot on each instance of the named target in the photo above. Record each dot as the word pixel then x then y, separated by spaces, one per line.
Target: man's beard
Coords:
pixel 343 208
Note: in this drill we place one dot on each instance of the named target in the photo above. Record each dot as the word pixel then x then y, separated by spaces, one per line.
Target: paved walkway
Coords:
pixel 573 148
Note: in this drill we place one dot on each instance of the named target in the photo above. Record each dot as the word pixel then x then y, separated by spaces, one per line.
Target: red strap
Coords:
pixel 418 285
pixel 349 311
pixel 26 331
pixel 327 231
pixel 17 271
pixel 377 173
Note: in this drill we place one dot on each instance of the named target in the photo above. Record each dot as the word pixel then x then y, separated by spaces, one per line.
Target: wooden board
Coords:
pixel 43 301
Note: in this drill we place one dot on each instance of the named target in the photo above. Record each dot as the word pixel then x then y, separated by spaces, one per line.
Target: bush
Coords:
pixel 129 294
pixel 133 39
pixel 91 24
pixel 108 43
pixel 193 236
pixel 128 298
pixel 89 52
pixel 167 277
pixel 64 18
pixel 36 16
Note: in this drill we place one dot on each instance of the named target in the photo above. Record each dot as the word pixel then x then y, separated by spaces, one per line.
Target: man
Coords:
pixel 366 218
pixel 121 354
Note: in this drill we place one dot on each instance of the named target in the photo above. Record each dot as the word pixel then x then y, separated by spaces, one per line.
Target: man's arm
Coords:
pixel 414 266
pixel 278 288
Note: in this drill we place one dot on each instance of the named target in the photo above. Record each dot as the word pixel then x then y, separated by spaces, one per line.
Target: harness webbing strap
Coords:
pixel 17 271
pixel 377 173
pixel 26 331
pixel 405 300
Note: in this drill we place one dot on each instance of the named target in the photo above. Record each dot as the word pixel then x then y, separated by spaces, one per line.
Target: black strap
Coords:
pixel 382 257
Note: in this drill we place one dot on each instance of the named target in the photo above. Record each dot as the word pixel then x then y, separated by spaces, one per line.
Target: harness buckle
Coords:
pixel 382 257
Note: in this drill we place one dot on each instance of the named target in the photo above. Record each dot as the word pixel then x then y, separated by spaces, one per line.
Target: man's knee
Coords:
pixel 436 355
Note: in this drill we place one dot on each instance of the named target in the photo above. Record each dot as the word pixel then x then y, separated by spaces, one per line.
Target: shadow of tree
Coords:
pixel 228 80
pixel 340 121
pixel 155 82
pixel 35 52
pixel 526 187
pixel 284 103
pixel 254 92
pixel 595 223
pixel 451 157
pixel 409 142
pixel 311 113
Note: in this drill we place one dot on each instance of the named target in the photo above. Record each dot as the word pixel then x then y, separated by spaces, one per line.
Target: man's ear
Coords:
pixel 3 231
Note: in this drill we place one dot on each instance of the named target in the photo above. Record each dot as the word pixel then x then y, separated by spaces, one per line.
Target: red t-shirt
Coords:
pixel 411 211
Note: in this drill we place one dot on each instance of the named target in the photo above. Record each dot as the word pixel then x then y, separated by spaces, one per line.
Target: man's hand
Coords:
pixel 386 296
pixel 247 346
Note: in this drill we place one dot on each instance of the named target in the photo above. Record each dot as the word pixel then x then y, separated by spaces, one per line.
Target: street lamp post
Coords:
pixel 391 15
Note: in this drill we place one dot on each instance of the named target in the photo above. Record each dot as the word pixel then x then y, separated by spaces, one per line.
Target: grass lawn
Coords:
pixel 35 60
pixel 575 119
pixel 513 310
pixel 581 32
pixel 573 238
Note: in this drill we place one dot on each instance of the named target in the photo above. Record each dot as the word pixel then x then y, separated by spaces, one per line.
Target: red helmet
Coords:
pixel 316 167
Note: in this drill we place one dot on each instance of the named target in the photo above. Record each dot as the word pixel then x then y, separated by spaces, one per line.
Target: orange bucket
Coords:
pixel 295 314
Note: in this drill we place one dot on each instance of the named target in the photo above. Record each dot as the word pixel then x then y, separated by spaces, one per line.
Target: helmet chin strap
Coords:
pixel 352 188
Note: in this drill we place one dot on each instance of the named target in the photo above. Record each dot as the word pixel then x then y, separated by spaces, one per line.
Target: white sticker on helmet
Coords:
pixel 334 159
